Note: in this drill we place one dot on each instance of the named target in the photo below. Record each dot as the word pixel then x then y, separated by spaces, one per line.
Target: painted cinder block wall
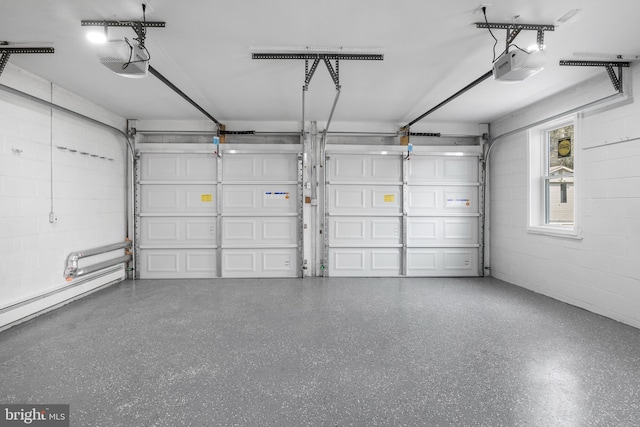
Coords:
pixel 89 192
pixel 600 272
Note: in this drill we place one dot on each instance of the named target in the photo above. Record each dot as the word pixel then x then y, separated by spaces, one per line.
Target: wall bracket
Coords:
pixel 616 79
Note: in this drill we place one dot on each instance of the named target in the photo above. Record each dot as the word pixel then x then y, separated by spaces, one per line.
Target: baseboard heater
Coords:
pixel 81 281
pixel 72 270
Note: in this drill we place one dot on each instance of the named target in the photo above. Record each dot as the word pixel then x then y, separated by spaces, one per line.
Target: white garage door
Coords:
pixel 202 216
pixel 391 216
pixel 261 210
pixel 177 215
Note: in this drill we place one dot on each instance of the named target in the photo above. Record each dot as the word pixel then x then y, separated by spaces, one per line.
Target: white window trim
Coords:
pixel 535 194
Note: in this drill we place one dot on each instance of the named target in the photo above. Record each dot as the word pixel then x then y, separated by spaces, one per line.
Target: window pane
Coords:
pixel 560 151
pixel 559 201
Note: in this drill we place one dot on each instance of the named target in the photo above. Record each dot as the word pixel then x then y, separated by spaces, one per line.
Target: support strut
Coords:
pixel 3 61
pixel 616 80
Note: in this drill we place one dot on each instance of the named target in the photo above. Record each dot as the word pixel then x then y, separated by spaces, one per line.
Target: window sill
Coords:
pixel 567 233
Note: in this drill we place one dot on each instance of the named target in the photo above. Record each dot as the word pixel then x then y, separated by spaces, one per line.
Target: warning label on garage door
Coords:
pixel 459 202
pixel 276 195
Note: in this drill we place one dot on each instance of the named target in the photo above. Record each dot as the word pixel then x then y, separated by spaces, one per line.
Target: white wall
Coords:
pixel 89 192
pixel 600 272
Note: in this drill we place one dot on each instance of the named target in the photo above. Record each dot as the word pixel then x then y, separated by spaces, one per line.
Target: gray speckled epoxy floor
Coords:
pixel 294 352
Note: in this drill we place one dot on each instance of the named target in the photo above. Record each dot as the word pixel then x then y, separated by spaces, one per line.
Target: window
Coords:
pixel 552 178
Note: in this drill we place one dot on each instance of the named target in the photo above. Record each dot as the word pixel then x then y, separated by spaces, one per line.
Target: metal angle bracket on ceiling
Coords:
pixel 6 49
pixel 514 29
pixel 137 26
pixel 316 57
pixel 616 80
pixel 341 56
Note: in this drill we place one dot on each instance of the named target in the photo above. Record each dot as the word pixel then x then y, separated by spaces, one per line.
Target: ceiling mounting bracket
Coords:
pixel 616 79
pixel 139 27
pixel 132 24
pixel 316 57
pixel 7 49
pixel 342 56
pixel 514 29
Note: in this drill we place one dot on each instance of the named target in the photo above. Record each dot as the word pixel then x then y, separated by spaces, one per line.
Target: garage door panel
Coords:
pixel 348 168
pixel 199 199
pixel 159 167
pixel 260 168
pixel 365 230
pixel 365 200
pixel 241 230
pixel 239 199
pixel 182 167
pixel 385 260
pixel 442 231
pixel 434 262
pixel 422 262
pixel 348 198
pixel 462 230
pixel 177 263
pixel 364 262
pixel 386 199
pixel 458 259
pixel 178 230
pixel 386 169
pixel 235 261
pixel 422 230
pixel 423 169
pixel 259 199
pixel 460 169
pixel 160 231
pixel 250 231
pixel 259 262
pixel 435 200
pixel 280 230
pixel 443 169
pixel 280 261
pixel 357 168
pixel 177 199
pixel 200 230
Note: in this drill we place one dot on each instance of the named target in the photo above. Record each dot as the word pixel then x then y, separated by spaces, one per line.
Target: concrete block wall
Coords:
pixel 601 271
pixel 88 192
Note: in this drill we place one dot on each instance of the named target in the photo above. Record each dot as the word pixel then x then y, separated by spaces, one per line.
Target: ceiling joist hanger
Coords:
pixel 616 79
pixel 7 49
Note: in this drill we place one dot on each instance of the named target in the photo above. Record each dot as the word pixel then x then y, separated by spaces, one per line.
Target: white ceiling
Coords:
pixel 431 50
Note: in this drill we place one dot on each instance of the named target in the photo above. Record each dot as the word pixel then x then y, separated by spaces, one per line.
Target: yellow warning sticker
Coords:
pixel 206 197
pixel 389 198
